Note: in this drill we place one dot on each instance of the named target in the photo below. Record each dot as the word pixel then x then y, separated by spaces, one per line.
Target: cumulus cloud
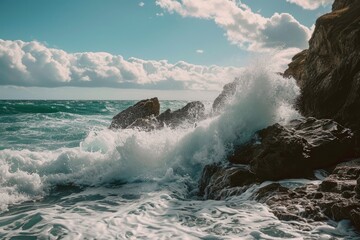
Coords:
pixel 200 51
pixel 311 4
pixel 34 64
pixel 243 27
pixel 141 4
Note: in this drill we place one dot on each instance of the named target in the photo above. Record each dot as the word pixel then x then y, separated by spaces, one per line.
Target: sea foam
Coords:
pixel 106 156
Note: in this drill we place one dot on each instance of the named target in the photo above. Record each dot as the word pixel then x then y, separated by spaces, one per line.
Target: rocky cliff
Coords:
pixel 328 73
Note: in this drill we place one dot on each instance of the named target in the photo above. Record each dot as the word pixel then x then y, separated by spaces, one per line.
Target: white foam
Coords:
pixel 262 99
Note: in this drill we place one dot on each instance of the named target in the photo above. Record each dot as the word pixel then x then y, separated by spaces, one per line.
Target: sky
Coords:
pixel 118 49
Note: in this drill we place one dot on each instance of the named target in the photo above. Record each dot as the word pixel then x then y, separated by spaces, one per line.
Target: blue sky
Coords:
pixel 188 35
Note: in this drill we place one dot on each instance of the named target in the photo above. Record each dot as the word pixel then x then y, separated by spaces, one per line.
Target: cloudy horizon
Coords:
pixel 164 45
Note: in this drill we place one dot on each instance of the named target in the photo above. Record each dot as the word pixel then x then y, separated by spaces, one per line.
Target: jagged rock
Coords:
pixel 328 73
pixel 317 202
pixel 295 150
pixel 218 182
pixel 227 93
pixel 191 113
pixel 145 115
pixel 142 109
pixel 340 4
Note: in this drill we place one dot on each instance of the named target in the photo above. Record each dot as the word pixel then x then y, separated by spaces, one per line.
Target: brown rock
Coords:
pixel 329 71
pixel 142 109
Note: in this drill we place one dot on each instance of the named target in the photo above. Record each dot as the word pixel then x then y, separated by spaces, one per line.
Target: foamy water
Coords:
pixel 65 175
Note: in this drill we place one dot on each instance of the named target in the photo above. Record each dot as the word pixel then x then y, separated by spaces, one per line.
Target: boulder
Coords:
pixel 328 73
pixel 144 115
pixel 191 113
pixel 295 150
pixel 141 110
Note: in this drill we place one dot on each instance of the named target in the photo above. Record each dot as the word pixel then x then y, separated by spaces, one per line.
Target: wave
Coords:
pixel 129 155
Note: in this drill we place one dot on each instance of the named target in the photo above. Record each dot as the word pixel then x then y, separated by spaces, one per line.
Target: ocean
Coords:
pixel 65 175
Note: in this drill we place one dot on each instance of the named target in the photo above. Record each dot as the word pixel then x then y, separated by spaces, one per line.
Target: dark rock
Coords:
pixel 328 73
pixel 143 109
pixel 218 182
pixel 191 113
pixel 145 115
pixel 270 190
pixel 279 152
pixel 317 202
pixel 340 4
pixel 225 96
pixel 355 217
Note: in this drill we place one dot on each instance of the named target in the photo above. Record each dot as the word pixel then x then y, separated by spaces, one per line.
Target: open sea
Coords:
pixel 65 175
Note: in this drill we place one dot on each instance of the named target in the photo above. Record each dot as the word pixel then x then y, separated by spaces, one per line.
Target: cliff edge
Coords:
pixel 328 73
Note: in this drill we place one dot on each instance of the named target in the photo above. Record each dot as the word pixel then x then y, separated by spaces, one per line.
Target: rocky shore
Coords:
pixel 327 137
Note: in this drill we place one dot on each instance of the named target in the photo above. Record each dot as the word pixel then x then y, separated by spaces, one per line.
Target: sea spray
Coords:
pixel 104 156
pixel 136 184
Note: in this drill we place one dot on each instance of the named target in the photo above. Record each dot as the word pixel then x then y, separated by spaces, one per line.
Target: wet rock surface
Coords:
pixel 328 74
pixel 334 198
pixel 218 182
pixel 141 110
pixel 191 113
pixel 144 115
pixel 295 150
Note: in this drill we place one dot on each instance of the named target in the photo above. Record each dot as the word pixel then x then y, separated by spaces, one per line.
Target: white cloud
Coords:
pixel 159 14
pixel 200 51
pixel 311 4
pixel 141 4
pixel 34 64
pixel 243 27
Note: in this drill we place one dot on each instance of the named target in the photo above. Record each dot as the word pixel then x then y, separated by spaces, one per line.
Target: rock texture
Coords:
pixel 279 152
pixel 218 182
pixel 295 150
pixel 141 110
pixel 336 198
pixel 329 71
pixel 191 113
pixel 145 115
pixel 328 74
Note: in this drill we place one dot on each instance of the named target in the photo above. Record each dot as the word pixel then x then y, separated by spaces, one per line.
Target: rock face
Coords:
pixel 279 152
pixel 336 198
pixel 145 115
pixel 227 93
pixel 141 110
pixel 328 74
pixel 295 150
pixel 191 113
pixel 218 182
pixel 329 71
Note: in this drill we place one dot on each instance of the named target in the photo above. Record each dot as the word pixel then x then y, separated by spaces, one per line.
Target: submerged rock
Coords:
pixel 142 109
pixel 328 73
pixel 335 198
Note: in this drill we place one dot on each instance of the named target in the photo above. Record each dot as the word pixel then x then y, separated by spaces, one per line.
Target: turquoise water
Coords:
pixel 65 175
pixel 53 124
